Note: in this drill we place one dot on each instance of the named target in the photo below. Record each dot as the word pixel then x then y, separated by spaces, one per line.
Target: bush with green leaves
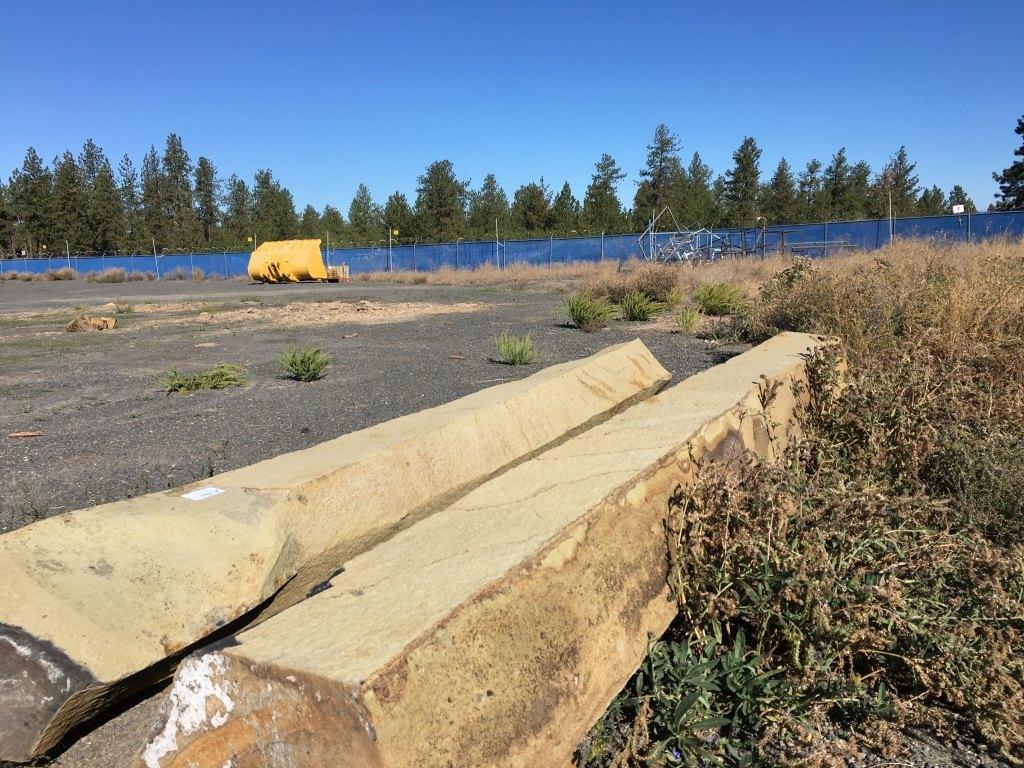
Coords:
pixel 637 307
pixel 218 377
pixel 719 299
pixel 515 350
pixel 587 313
pixel 305 364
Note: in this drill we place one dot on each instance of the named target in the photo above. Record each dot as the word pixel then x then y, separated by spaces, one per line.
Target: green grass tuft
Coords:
pixel 218 377
pixel 589 314
pixel 637 306
pixel 688 320
pixel 719 299
pixel 516 350
pixel 305 364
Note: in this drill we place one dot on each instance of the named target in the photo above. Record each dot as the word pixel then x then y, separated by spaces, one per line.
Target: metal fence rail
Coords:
pixel 815 240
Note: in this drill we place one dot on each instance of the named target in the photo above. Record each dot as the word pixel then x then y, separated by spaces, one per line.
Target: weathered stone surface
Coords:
pixel 496 631
pixel 117 588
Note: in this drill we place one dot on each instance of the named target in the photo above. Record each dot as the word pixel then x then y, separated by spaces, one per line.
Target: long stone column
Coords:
pixel 91 600
pixel 496 631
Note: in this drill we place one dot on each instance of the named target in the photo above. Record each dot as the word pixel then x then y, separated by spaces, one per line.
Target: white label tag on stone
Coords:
pixel 203 493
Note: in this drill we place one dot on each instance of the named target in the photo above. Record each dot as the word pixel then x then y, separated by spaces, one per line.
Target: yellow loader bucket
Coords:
pixel 287 261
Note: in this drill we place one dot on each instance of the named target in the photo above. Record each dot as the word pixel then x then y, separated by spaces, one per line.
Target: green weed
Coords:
pixel 305 364
pixel 636 306
pixel 589 314
pixel 515 350
pixel 218 377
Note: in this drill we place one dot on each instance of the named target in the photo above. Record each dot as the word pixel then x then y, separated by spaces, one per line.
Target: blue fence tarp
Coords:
pixel 809 239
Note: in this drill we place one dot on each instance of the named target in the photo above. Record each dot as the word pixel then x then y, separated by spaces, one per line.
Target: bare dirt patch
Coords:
pixel 331 312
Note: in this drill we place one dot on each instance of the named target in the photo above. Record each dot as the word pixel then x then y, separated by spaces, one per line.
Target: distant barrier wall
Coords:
pixel 816 240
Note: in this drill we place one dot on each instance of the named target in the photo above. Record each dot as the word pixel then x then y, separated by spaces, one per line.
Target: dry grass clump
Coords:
pixel 515 274
pixel 659 282
pixel 198 274
pixel 63 273
pixel 112 275
pixel 178 273
pixel 874 576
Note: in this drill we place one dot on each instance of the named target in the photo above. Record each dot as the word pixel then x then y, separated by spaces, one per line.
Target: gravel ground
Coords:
pixel 111 434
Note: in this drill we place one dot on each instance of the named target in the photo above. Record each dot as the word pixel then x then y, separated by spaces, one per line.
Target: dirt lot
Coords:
pixel 110 433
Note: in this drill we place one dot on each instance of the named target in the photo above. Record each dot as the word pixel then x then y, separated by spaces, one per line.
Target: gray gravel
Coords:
pixel 111 434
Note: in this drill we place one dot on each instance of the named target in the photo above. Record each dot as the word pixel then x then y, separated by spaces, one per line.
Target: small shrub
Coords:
pixel 655 281
pixel 26 277
pixel 515 350
pixel 587 313
pixel 136 276
pixel 673 299
pixel 64 273
pixel 9 275
pixel 112 275
pixel 637 306
pixel 218 377
pixel 306 364
pixel 149 275
pixel 198 274
pixel 174 274
pixel 719 299
pixel 688 320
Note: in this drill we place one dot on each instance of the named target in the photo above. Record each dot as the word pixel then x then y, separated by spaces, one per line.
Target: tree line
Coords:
pixel 170 203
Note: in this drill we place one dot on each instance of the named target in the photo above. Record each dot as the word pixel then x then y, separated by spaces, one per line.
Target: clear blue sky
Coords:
pixel 331 94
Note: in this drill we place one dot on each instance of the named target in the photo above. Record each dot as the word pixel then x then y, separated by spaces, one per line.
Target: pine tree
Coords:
pixel 70 201
pixel 333 225
pixel 531 209
pixel 897 179
pixel 398 215
pixel 1011 179
pixel 836 185
pixel 565 213
pixel 128 187
pixel 932 202
pixel 237 213
pixel 273 209
pixel 858 193
pixel 309 224
pixel 440 203
pixel 812 204
pixel 660 177
pixel 91 159
pixel 780 203
pixel 30 190
pixel 207 194
pixel 742 184
pixel 365 218
pixel 6 221
pixel 179 209
pixel 699 208
pixel 154 223
pixel 487 205
pixel 602 209
pixel 958 196
pixel 106 211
